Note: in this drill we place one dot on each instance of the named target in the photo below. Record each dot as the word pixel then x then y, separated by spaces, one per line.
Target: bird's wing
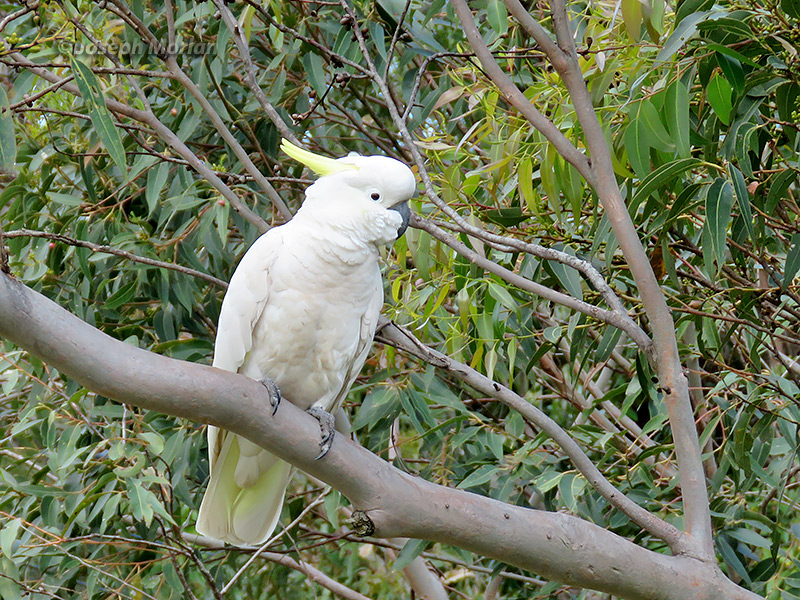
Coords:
pixel 245 492
pixel 369 322
pixel 247 295
pixel 244 302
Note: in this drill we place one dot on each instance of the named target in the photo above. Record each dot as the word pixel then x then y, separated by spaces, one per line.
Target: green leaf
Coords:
pixel 379 403
pixel 607 344
pixel 140 500
pixel 637 145
pixel 748 536
pixel 570 487
pixel 502 295
pixel 676 109
pixel 685 30
pixel 657 134
pixel 718 216
pixel 411 550
pixel 742 200
pixel 664 174
pixel 569 278
pixel 479 476
pixel 497 15
pixel 9 589
pixel 632 16
pixel 730 557
pixel 8 142
pixel 720 49
pixel 550 183
pixel 8 536
pixel 547 481
pixel 792 261
pixel 98 113
pixel 733 71
pixel 156 179
pixel 121 296
pixel 791 8
pixel 315 70
pixel 777 189
pixel 525 183
pixel 720 97
pixel 507 217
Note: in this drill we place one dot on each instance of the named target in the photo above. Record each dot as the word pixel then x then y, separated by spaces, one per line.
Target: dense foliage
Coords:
pixel 700 105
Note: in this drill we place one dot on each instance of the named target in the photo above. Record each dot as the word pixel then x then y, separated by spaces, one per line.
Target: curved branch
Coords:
pixel 229 138
pixel 306 569
pixel 165 133
pixel 398 336
pixel 558 546
pixel 600 175
pixel 57 237
pixel 516 98
pixel 615 318
pixel 584 267
pixel 250 73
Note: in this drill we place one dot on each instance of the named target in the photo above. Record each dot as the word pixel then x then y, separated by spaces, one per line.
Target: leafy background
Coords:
pixel 700 105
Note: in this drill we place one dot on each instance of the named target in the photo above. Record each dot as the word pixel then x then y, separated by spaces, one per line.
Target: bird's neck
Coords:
pixel 335 240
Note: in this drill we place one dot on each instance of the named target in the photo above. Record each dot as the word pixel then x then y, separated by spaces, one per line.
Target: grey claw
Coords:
pixel 274 393
pixel 326 425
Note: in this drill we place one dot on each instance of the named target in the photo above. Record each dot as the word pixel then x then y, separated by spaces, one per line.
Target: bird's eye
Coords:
pixel 375 196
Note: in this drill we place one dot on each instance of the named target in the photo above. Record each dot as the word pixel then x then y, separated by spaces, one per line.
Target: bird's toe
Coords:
pixel 274 393
pixel 327 424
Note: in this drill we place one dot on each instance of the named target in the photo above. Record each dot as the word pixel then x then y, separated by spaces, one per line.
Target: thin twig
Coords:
pixel 57 237
pixel 165 133
pixel 250 73
pixel 308 570
pixel 272 540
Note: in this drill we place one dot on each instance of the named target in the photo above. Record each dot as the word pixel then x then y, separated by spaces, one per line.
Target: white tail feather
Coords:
pixel 243 515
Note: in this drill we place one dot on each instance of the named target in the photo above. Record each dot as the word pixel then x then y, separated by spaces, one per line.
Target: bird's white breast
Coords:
pixel 308 335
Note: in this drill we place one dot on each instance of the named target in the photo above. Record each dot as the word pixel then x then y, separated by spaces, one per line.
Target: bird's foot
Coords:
pixel 326 425
pixel 274 393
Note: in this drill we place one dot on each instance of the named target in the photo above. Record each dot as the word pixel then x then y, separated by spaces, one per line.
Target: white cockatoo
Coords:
pixel 299 316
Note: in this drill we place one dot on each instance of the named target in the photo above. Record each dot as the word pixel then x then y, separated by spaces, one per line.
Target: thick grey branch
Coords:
pixel 670 371
pixel 558 546
pixel 600 175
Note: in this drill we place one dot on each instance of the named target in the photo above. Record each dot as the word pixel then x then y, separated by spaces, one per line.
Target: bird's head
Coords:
pixel 365 182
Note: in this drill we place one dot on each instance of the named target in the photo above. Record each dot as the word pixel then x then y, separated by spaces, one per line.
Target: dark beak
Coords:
pixel 405 212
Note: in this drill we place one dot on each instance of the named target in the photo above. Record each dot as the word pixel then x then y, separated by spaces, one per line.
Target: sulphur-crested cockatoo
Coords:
pixel 299 316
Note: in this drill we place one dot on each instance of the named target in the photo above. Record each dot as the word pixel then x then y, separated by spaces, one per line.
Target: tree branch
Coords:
pixel 57 237
pixel 306 569
pixel 516 98
pixel 600 175
pixel 250 73
pixel 166 135
pixel 612 317
pixel 556 545
pixel 398 336
pixel 672 380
